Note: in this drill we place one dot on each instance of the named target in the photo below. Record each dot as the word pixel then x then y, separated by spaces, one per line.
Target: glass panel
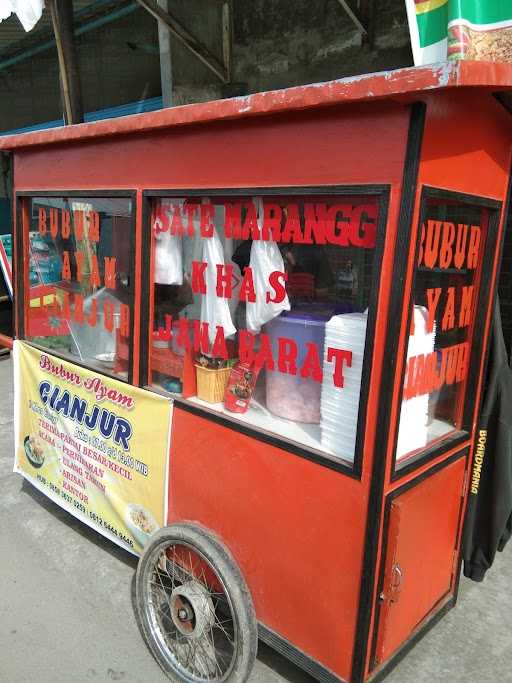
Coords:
pixel 259 310
pixel 445 295
pixel 80 299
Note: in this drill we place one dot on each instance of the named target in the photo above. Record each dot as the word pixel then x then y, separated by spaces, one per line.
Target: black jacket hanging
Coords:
pixel 489 515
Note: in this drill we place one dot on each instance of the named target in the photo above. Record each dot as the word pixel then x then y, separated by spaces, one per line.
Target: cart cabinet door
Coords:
pixel 420 557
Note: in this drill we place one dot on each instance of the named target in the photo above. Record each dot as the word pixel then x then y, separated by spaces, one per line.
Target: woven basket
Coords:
pixel 211 383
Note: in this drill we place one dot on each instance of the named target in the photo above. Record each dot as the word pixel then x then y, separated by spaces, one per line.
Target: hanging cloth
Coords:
pixel 488 524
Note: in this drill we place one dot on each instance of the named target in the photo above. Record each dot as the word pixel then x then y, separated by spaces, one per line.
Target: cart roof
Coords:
pixel 400 84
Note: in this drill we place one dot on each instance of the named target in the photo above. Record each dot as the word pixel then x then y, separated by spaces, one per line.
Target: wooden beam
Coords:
pixel 355 19
pixel 367 14
pixel 164 45
pixel 227 37
pixel 61 12
pixel 186 38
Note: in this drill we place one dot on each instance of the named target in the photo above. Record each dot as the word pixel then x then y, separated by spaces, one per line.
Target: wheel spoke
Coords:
pixel 231 642
pixel 164 593
pixel 159 609
pixel 205 658
pixel 160 584
pixel 218 625
pixel 215 650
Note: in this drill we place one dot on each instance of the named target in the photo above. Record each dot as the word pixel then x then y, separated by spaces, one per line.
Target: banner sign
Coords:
pixel 460 29
pixel 96 446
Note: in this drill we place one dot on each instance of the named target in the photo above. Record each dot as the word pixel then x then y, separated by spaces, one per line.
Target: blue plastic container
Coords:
pixel 292 396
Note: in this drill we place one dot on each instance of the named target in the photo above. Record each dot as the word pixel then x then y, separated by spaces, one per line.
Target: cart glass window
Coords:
pixel 444 310
pixel 260 307
pixel 79 291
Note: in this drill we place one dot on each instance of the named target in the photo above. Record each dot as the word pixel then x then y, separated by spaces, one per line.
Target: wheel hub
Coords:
pixel 192 610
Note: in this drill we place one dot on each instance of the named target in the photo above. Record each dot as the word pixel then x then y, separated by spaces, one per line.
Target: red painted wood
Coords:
pixel 457 156
pixel 421 544
pixel 296 530
pixel 349 145
pixel 136 311
pixel 404 83
pixel 467 153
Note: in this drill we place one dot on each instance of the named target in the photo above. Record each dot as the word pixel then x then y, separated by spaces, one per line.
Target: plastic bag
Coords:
pixel 265 259
pixel 168 248
pixel 28 11
pixel 414 412
pixel 96 341
pixel 214 310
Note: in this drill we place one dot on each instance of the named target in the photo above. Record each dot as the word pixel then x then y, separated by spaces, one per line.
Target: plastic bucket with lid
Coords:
pixel 292 396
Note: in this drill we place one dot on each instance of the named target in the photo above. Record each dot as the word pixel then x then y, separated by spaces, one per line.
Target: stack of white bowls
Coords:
pixel 339 406
pixel 413 426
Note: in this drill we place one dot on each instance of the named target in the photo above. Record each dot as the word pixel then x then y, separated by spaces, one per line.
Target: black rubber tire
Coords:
pixel 234 584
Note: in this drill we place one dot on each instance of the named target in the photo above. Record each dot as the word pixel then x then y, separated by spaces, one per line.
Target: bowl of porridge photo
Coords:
pixel 33 451
pixel 140 523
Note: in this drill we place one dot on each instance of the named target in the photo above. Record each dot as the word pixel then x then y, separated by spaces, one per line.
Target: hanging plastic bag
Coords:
pixel 265 259
pixel 28 11
pixel 414 412
pixel 214 309
pixel 168 247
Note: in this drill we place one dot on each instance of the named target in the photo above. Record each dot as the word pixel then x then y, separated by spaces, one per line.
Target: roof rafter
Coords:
pixel 187 39
pixel 356 20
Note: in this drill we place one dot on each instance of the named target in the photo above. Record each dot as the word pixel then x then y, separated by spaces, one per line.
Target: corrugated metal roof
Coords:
pixel 141 107
pixel 14 38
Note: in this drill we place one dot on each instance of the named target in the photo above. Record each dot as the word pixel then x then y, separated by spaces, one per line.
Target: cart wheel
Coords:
pixel 194 608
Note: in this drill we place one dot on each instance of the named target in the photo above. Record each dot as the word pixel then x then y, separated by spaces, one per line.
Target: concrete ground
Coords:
pixel 66 611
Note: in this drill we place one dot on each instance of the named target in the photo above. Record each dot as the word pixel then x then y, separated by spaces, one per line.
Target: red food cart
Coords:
pixel 267 337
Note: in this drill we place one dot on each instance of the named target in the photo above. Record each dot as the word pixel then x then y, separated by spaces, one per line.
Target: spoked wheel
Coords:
pixel 194 608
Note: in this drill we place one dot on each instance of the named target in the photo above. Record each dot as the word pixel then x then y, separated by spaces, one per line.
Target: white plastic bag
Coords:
pixel 168 248
pixel 265 259
pixel 413 426
pixel 214 310
pixel 28 11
